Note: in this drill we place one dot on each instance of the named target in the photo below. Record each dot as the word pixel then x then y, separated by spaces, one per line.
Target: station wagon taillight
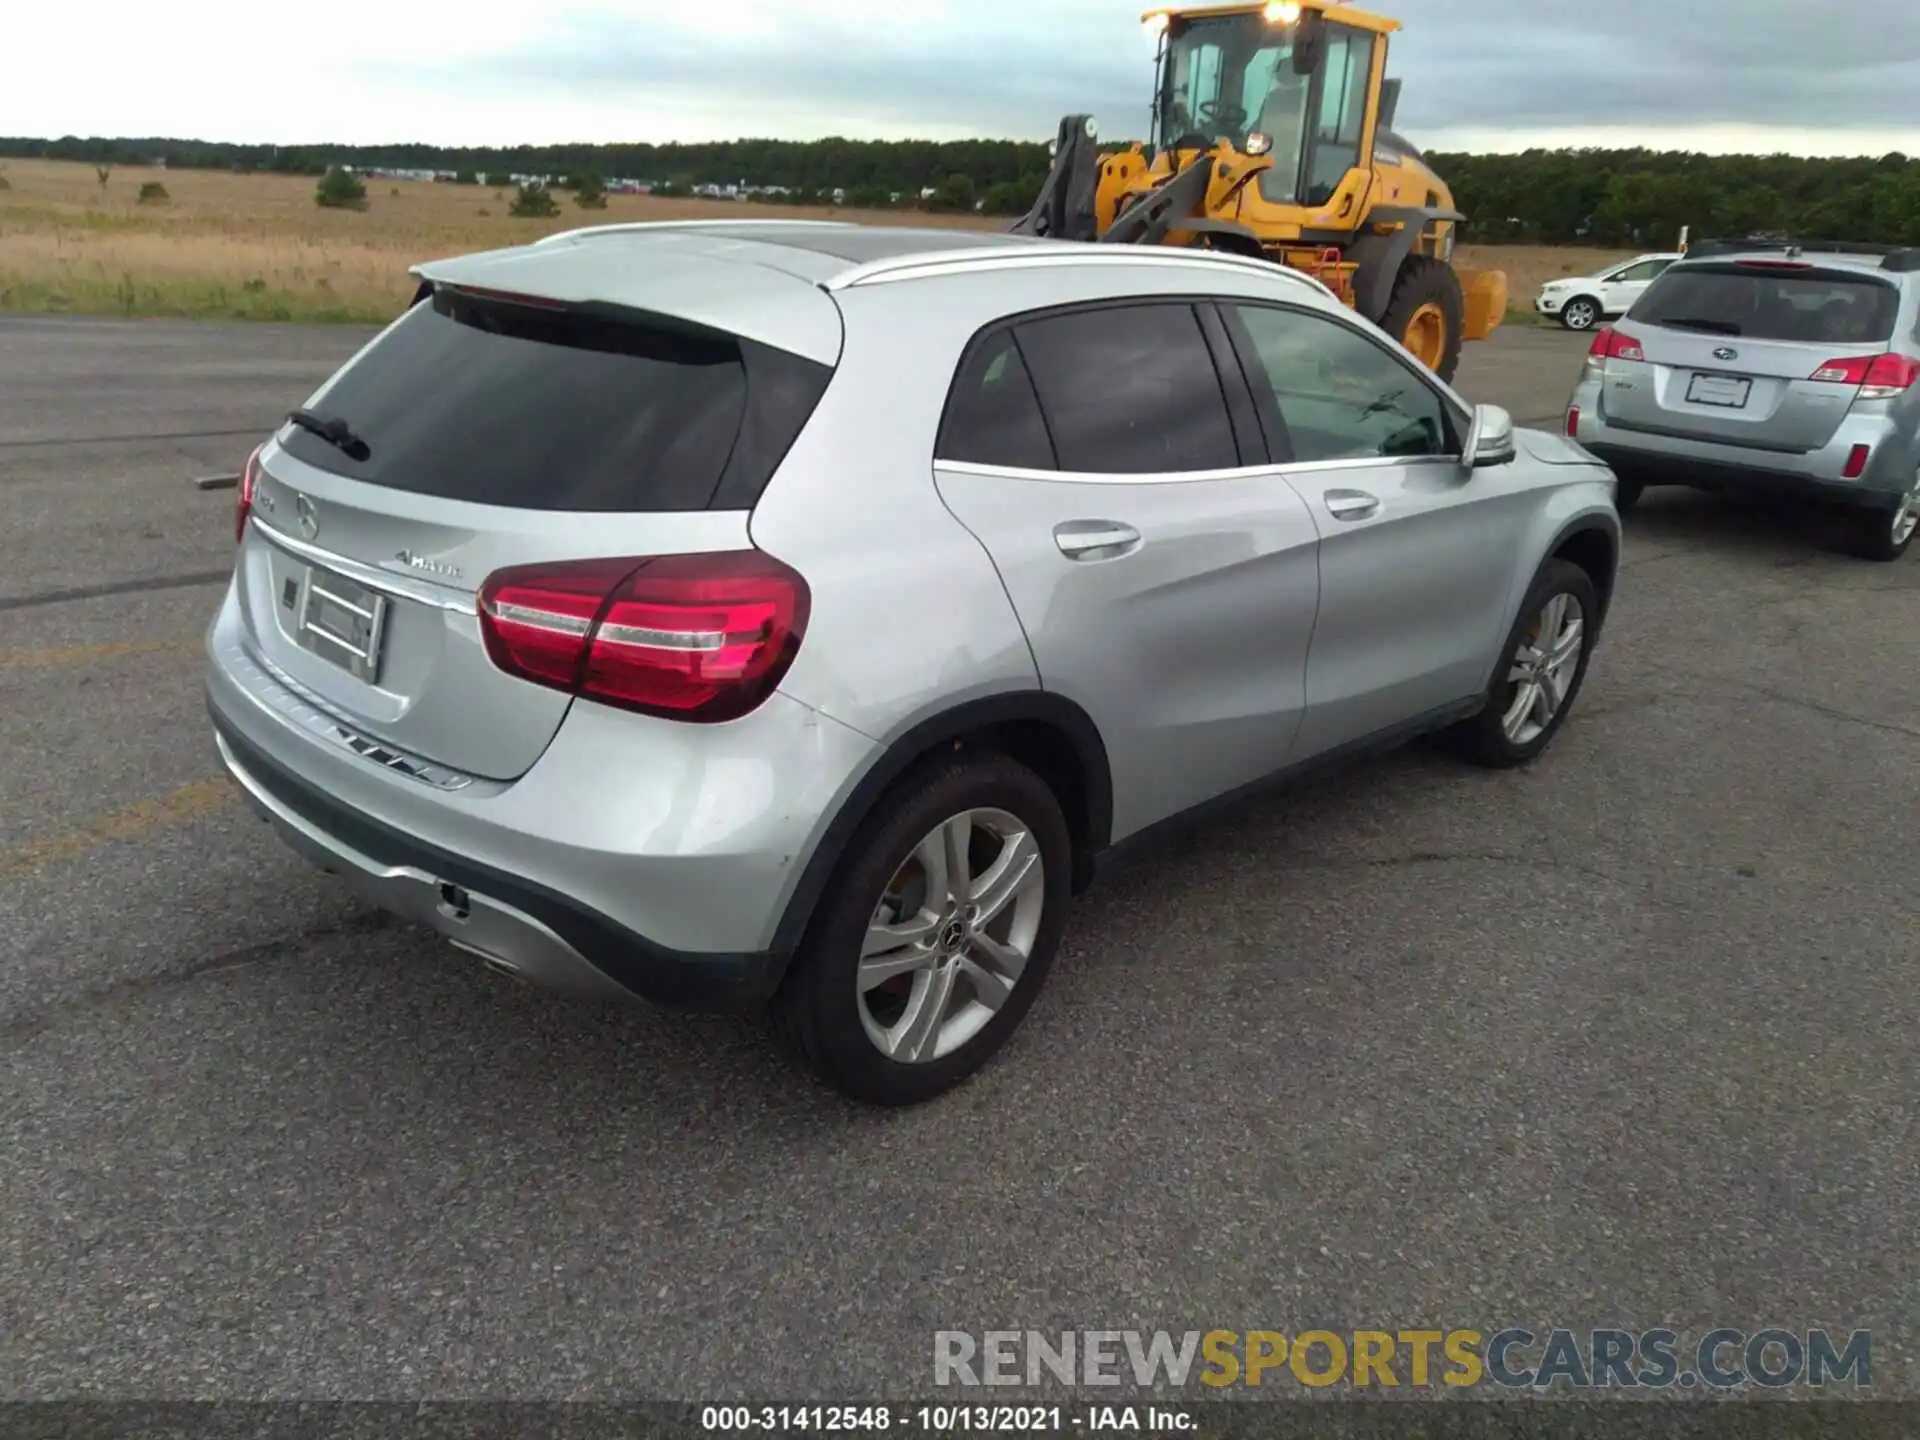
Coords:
pixel 243 493
pixel 687 637
pixel 1880 377
pixel 1610 344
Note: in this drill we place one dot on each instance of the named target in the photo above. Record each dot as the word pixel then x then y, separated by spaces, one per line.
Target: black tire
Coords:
pixel 1582 313
pixel 1872 535
pixel 1626 494
pixel 1424 280
pixel 819 1002
pixel 1483 739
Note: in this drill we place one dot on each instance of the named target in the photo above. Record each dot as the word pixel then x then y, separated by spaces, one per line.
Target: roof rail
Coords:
pixel 623 227
pixel 1901 259
pixel 1027 255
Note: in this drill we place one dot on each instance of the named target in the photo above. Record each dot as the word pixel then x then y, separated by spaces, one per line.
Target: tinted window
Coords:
pixel 1340 396
pixel 1130 390
pixel 993 416
pixel 551 409
pixel 1811 305
pixel 1345 80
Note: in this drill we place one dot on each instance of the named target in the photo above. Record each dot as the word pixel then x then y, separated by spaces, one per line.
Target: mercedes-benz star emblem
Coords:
pixel 309 517
pixel 1726 352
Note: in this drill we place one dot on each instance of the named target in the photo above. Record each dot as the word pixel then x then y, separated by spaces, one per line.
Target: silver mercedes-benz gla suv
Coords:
pixel 739 613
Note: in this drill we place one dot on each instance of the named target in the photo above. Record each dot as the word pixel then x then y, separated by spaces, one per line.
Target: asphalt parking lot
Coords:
pixel 1625 1039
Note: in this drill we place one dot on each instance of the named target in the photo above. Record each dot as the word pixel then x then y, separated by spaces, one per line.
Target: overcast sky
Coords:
pixel 1792 75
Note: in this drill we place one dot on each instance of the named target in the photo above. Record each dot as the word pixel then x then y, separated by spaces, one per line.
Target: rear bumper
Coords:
pixel 1653 469
pixel 1815 475
pixel 630 861
pixel 534 933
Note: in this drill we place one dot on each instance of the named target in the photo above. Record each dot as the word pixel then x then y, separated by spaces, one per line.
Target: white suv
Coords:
pixel 1582 301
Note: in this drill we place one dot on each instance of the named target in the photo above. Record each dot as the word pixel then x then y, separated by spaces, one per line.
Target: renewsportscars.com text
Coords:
pixel 1513 1358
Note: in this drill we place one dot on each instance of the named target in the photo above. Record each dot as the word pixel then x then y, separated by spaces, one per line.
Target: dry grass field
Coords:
pixel 257 247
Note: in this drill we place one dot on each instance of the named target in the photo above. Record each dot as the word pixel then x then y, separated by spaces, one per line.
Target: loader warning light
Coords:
pixel 1157 22
pixel 1282 12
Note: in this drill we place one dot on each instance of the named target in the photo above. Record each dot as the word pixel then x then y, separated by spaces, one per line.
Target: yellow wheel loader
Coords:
pixel 1272 137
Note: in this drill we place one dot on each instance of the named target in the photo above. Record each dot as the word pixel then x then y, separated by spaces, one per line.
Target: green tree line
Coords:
pixel 1539 196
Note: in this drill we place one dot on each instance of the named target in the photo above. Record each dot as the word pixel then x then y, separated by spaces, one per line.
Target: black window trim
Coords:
pixel 1274 423
pixel 1251 455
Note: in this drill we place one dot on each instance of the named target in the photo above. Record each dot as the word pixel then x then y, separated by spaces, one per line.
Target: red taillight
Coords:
pixel 1610 344
pixel 243 493
pixel 1573 422
pixel 1856 463
pixel 690 637
pixel 1880 377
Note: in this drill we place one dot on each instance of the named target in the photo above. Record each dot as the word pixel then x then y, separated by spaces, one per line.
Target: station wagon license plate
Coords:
pixel 1726 390
pixel 342 622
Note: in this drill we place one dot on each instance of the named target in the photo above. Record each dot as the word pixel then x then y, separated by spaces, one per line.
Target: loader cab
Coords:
pixel 1297 83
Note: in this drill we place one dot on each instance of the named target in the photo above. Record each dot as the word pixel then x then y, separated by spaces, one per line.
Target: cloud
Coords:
pixel 1492 73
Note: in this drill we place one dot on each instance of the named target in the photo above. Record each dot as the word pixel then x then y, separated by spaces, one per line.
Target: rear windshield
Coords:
pixel 554 409
pixel 1813 305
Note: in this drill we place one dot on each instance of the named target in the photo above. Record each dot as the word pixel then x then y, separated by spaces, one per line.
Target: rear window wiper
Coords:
pixel 336 432
pixel 1691 322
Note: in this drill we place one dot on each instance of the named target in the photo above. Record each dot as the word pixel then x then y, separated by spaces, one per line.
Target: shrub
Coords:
pixel 498 180
pixel 465 177
pixel 340 189
pixel 590 191
pixel 153 193
pixel 533 202
pixel 105 172
pixel 5 184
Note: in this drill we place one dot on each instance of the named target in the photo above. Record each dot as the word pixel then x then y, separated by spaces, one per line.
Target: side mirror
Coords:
pixel 1489 438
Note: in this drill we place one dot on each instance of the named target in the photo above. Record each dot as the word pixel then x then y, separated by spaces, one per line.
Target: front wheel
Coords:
pixel 1540 671
pixel 937 936
pixel 1580 313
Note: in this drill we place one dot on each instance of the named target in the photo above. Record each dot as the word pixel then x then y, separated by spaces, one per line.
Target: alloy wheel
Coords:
pixel 1579 315
pixel 951 935
pixel 1544 668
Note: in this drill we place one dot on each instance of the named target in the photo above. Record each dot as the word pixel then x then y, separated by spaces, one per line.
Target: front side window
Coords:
pixel 1338 395
pixel 1129 390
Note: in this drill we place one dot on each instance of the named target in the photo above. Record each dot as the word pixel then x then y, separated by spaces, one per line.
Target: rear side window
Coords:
pixel 993 416
pixel 1823 306
pixel 1129 390
pixel 561 409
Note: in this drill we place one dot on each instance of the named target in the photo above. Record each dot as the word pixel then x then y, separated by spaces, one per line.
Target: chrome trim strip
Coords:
pixel 371 576
pixel 304 710
pixel 1191 477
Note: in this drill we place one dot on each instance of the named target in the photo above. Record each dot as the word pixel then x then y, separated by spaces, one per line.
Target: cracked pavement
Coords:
pixel 1622 1039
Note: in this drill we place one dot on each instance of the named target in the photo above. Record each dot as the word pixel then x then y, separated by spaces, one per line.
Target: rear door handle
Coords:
pixel 1351 504
pixel 1095 539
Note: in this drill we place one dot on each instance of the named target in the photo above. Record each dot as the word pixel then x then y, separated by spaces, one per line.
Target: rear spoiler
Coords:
pixel 1896 259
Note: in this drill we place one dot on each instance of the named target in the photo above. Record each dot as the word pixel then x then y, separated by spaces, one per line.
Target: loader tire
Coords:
pixel 1425 313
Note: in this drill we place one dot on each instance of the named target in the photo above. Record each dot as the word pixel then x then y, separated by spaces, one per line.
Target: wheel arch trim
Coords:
pixel 922 739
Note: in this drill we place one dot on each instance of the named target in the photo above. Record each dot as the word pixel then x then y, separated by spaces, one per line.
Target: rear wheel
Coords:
pixel 1626 494
pixel 1425 313
pixel 1580 313
pixel 937 935
pixel 1886 535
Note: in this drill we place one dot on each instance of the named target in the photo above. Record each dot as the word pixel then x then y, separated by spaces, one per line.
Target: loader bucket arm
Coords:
pixel 1175 205
pixel 1064 208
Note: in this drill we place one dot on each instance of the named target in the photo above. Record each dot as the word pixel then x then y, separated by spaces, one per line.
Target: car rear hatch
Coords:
pixel 1765 354
pixel 511 423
